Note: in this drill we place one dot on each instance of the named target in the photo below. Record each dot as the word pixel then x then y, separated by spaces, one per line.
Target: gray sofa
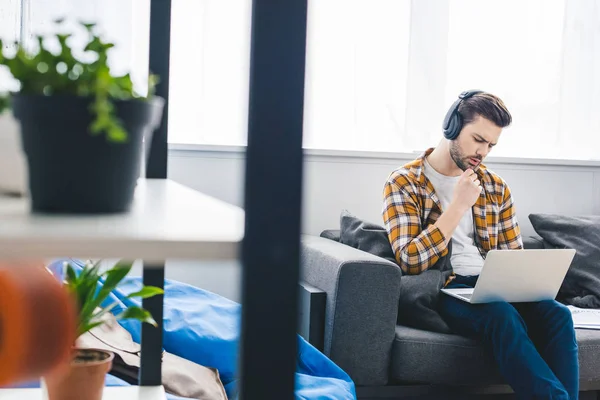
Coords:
pixel 350 307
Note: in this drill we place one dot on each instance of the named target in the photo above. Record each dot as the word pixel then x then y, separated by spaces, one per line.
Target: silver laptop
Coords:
pixel 516 276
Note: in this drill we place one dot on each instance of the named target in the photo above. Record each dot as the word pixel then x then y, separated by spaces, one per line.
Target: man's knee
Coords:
pixel 557 312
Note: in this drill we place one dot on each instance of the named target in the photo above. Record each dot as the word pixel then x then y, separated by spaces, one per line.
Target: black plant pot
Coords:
pixel 73 171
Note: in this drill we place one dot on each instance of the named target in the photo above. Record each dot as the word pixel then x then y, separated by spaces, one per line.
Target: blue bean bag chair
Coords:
pixel 204 327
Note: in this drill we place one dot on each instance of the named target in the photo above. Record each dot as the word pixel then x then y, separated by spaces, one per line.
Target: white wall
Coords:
pixel 355 182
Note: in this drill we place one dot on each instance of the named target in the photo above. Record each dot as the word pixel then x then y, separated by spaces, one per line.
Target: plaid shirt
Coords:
pixel 411 208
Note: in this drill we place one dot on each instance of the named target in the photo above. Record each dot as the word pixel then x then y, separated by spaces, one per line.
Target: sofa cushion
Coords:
pixel 366 236
pixel 419 294
pixel 588 341
pixel 438 358
pixel 332 234
pixel 581 286
pixel 533 242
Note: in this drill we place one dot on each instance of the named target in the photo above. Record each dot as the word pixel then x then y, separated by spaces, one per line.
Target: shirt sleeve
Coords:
pixel 415 248
pixel 509 232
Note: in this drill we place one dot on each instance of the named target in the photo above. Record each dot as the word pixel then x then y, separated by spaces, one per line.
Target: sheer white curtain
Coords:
pixel 210 52
pixel 512 48
pixel 123 22
pixel 10 24
pixel 356 74
pixel 541 57
pixel 579 101
pixel 380 74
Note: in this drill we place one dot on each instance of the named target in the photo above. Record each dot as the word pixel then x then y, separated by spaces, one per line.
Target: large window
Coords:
pixel 10 26
pixel 210 47
pixel 380 74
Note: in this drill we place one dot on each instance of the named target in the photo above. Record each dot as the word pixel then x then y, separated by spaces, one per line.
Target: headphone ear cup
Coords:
pixel 457 125
pixel 449 125
pixel 453 120
pixel 454 126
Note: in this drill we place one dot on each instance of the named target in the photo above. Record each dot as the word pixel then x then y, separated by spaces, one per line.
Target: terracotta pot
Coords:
pixel 83 378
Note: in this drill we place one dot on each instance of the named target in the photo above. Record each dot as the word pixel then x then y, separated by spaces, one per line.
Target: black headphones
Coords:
pixel 453 120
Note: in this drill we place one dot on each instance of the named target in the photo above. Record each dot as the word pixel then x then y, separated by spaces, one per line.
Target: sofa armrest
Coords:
pixel 362 293
pixel 311 324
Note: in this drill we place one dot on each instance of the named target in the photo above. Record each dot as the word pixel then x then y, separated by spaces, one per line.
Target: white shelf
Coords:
pixel 167 221
pixel 110 393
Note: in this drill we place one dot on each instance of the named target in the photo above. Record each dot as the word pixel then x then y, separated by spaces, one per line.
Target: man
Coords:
pixel 448 195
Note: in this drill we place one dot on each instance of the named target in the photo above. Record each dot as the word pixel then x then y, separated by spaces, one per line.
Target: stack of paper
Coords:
pixel 585 318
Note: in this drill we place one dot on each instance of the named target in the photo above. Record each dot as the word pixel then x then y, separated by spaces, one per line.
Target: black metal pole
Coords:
pixel 152 337
pixel 273 193
pixel 160 50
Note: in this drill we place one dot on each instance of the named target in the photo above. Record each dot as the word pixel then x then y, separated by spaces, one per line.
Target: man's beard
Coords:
pixel 459 158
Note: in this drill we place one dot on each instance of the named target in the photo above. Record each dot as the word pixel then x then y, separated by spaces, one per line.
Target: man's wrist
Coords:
pixel 457 209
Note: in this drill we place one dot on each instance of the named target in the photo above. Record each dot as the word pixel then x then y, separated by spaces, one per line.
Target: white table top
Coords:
pixel 167 221
pixel 110 393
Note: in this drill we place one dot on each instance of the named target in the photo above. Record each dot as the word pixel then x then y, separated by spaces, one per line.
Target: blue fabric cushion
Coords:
pixel 204 327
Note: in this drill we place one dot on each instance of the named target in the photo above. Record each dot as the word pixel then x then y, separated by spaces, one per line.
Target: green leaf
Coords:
pixel 84 287
pixel 41 72
pixel 153 80
pixel 146 292
pixel 88 26
pixel 113 277
pixel 88 326
pixel 104 310
pixel 4 103
pixel 117 134
pixel 71 275
pixel 138 313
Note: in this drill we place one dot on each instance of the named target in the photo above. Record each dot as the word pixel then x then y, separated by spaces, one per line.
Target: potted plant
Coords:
pixel 84 376
pixel 82 127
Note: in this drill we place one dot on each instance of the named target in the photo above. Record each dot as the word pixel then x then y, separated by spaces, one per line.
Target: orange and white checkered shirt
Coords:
pixel 411 208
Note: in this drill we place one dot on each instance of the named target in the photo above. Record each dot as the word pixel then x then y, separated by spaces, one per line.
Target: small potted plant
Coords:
pixel 82 128
pixel 84 376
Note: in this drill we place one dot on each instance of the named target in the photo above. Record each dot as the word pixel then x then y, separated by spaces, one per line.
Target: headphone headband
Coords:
pixel 453 121
pixel 468 93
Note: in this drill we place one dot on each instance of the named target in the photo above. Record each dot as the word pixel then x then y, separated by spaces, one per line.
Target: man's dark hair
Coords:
pixel 486 105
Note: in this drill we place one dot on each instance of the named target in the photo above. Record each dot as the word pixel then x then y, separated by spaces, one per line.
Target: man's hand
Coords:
pixel 467 190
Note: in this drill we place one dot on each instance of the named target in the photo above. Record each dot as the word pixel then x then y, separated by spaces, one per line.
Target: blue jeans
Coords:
pixel 533 344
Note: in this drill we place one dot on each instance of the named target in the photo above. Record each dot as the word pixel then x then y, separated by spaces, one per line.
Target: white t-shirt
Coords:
pixel 466 259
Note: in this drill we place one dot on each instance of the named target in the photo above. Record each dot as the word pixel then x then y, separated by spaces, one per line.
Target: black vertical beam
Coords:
pixel 273 193
pixel 160 51
pixel 152 337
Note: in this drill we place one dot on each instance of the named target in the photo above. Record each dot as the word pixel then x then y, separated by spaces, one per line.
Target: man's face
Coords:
pixel 474 143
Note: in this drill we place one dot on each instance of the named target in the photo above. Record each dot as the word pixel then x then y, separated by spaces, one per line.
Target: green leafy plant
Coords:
pixel 89 298
pixel 42 72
